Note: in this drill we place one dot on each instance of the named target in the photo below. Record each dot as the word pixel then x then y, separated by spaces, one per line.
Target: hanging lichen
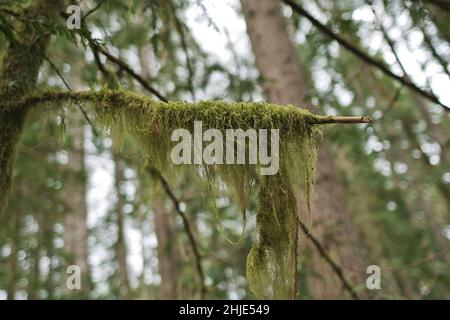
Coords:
pixel 271 264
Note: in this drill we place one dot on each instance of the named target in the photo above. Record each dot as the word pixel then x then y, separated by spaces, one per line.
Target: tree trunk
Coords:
pixel 167 254
pixel 120 246
pixel 168 260
pixel 75 223
pixel 284 81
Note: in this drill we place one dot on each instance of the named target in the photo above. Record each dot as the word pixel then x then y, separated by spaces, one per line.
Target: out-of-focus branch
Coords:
pixel 336 268
pixel 66 84
pixel 99 4
pixel 440 4
pixel 182 35
pixel 176 203
pixel 362 55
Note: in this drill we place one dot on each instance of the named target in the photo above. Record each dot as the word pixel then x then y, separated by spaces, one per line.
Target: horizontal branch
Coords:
pixel 131 72
pixel 362 55
pixel 99 96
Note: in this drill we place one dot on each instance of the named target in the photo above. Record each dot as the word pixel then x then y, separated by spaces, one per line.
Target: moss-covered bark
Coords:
pixel 18 75
pixel 10 130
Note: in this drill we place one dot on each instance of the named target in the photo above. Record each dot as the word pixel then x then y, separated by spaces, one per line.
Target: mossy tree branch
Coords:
pixel 336 268
pixel 126 97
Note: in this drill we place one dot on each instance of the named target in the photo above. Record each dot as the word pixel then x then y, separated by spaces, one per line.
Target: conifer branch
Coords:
pixel 362 55
pixel 131 72
pixel 344 119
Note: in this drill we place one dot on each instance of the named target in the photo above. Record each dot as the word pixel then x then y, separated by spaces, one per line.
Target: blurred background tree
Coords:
pixel 382 191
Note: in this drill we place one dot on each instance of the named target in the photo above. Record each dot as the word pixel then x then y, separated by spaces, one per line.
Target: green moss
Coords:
pixel 271 265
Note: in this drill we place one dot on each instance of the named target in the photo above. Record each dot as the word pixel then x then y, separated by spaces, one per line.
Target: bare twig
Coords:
pixel 179 27
pixel 362 55
pixel 197 258
pixel 336 268
pixel 99 4
pixel 344 119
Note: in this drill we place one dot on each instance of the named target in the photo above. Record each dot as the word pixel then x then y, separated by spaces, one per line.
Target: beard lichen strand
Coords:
pixel 19 70
pixel 271 264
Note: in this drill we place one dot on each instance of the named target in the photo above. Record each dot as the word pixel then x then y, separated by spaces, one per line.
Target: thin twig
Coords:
pixel 336 268
pixel 393 101
pixel 93 9
pixel 344 119
pixel 153 171
pixel 362 55
pixel 85 115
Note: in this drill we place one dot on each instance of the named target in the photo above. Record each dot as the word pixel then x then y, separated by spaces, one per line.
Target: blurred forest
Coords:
pixel 80 196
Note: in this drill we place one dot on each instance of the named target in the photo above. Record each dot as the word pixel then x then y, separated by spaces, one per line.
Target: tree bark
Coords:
pixel 284 81
pixel 18 75
pixel 120 246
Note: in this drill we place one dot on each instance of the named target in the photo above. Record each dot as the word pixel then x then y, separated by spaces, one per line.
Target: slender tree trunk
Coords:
pixel 75 221
pixel 284 81
pixel 167 255
pixel 120 246
pixel 18 75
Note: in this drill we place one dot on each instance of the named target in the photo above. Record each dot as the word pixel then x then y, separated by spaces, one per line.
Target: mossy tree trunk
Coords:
pixel 284 81
pixel 18 75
